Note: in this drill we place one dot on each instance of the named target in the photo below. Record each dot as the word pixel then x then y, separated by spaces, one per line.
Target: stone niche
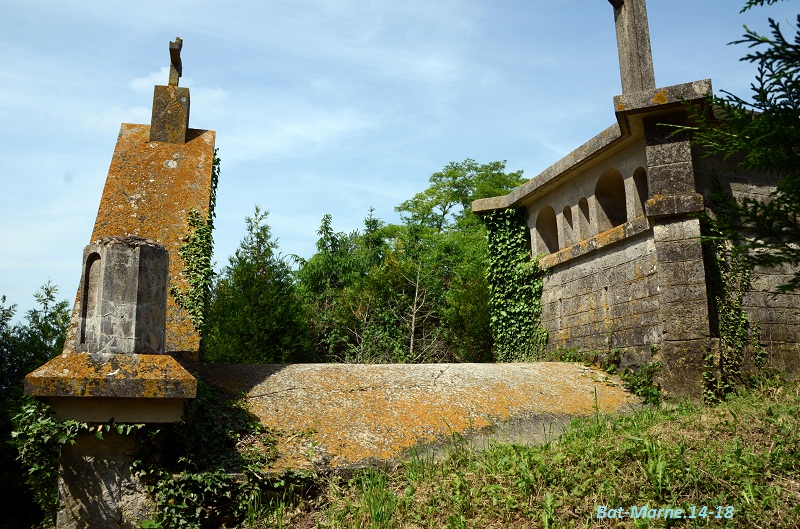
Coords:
pixel 122 305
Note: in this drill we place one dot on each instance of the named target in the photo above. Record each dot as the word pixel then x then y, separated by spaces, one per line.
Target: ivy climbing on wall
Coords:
pixel 515 288
pixel 196 250
pixel 729 280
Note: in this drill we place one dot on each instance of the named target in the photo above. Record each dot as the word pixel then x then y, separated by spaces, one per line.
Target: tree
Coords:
pixel 23 348
pixel 452 245
pixel 762 135
pixel 457 185
pixel 414 292
pixel 255 315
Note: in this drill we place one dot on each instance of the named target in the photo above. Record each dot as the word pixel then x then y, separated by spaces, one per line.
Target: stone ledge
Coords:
pixel 674 95
pixel 580 155
pixel 87 375
pixel 100 387
pixel 601 240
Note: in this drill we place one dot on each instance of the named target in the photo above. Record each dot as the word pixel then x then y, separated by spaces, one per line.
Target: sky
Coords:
pixel 319 106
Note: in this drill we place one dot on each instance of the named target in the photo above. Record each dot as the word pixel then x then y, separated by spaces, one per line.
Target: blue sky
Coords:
pixel 320 106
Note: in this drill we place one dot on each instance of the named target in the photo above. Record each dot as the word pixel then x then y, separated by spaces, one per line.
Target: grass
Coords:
pixel 743 453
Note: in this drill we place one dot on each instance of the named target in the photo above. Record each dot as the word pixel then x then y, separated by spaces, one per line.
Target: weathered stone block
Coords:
pixel 672 179
pixel 667 151
pixel 681 362
pixel 778 332
pixel 677 251
pixel 678 229
pixel 685 320
pixel 670 205
pixel 170 119
pixel 122 307
pixel 688 292
pixel 96 487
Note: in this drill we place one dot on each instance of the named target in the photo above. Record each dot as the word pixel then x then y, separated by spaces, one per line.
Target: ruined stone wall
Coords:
pixel 606 299
pixel 777 314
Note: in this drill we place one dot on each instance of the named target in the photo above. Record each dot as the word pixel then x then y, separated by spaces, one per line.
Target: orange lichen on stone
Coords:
pixel 363 413
pixel 149 191
pixel 100 375
pixel 661 97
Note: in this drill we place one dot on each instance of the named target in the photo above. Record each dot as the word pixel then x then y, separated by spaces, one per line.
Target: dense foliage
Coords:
pixel 409 292
pixel 255 315
pixel 762 134
pixel 23 348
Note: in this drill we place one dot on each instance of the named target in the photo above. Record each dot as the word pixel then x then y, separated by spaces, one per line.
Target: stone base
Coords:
pixel 96 489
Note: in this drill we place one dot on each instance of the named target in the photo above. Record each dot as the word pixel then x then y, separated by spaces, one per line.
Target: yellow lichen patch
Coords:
pixel 661 97
pixel 360 413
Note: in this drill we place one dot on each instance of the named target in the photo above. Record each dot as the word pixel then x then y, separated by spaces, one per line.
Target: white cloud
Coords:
pixel 146 83
pixel 290 130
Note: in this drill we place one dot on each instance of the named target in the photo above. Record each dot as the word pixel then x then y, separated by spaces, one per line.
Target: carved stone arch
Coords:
pixel 642 191
pixel 546 230
pixel 609 195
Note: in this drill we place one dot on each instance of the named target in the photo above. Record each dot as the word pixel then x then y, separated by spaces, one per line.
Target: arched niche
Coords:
pixel 546 230
pixel 642 192
pixel 90 322
pixel 610 198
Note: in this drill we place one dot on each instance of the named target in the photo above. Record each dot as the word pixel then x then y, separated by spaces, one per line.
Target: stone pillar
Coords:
pixel 119 373
pixel 633 46
pixel 683 301
pixel 158 173
pixel 96 488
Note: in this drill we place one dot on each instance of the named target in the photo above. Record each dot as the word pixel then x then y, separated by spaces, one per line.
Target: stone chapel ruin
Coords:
pixel 617 223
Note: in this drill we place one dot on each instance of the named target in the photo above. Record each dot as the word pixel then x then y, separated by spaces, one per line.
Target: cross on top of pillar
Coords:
pixel 176 67
pixel 170 118
pixel 633 46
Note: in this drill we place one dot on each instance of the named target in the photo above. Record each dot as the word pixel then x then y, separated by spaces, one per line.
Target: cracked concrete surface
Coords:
pixel 340 416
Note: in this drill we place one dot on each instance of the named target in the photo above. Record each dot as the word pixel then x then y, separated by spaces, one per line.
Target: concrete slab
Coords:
pixel 341 416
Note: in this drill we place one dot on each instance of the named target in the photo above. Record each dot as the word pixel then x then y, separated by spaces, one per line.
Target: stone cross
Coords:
pixel 633 46
pixel 170 119
pixel 176 67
